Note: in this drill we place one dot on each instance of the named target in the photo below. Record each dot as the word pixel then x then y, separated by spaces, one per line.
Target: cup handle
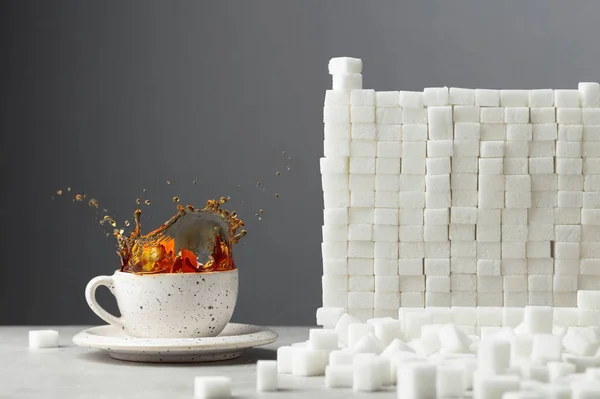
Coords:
pixel 90 296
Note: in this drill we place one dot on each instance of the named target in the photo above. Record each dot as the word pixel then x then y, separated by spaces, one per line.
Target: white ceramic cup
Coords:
pixel 178 305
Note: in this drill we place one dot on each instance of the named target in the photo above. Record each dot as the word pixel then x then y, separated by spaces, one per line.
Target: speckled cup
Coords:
pixel 179 305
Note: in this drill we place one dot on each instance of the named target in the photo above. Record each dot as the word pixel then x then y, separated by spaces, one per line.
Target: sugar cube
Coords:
pixel 568 115
pixel 388 116
pixel 440 122
pixel 351 81
pixel 212 387
pixel 411 99
pixel 589 94
pixel 266 375
pixel 543 115
pixel 363 131
pixel 566 98
pixel 41 339
pixel 433 96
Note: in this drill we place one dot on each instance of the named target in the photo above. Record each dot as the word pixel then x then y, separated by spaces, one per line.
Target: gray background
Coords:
pixel 114 97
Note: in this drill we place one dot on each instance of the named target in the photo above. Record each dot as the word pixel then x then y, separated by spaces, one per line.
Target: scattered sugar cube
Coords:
pixel 538 319
pixel 41 339
pixel 323 339
pixel 418 380
pixel 339 376
pixel 212 387
pixel 493 356
pixel 546 348
pixel 308 362
pixel 329 317
pixel 369 343
pixel 266 375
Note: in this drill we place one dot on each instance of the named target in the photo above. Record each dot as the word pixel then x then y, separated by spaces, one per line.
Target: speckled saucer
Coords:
pixel 229 344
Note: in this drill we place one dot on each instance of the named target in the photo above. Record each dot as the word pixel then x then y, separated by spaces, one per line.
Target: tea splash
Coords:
pixel 193 240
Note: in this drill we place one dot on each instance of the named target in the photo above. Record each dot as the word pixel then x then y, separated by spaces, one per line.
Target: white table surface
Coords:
pixel 71 372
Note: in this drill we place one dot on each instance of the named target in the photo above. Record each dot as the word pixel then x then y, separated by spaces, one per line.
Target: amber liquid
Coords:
pixel 192 241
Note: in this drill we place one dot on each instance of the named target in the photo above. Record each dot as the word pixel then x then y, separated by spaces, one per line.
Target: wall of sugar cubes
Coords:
pixel 458 197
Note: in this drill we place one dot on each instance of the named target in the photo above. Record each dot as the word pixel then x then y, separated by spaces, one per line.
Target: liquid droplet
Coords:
pixel 79 198
pixel 127 223
pixel 194 181
pixel 69 189
pixel 288 167
pixel 261 211
pixel 147 202
pixel 257 183
pixel 282 152
pixel 143 189
pixel 168 181
pixel 138 201
pixel 278 173
pixel 59 192
pixel 276 195
pixel 175 199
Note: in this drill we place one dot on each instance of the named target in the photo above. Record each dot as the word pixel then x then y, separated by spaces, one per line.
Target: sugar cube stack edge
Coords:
pixel 458 197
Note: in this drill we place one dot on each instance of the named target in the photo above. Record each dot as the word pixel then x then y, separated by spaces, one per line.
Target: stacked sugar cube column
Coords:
pixel 590 212
pixel 569 170
pixel 464 186
pixel 412 199
pixel 544 199
pixel 335 165
pixel 505 138
pixel 440 148
pixel 388 118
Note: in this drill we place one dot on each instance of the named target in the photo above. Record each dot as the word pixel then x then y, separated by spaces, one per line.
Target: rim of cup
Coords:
pixel 118 271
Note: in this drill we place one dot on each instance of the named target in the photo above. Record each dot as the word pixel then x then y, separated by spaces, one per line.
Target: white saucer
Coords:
pixel 228 345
